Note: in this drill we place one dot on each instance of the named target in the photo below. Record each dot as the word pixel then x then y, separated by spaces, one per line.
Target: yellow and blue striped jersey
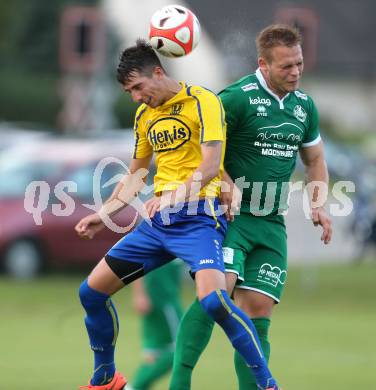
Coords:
pixel 175 130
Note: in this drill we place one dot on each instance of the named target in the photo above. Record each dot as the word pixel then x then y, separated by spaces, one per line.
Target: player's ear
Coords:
pixel 262 63
pixel 158 72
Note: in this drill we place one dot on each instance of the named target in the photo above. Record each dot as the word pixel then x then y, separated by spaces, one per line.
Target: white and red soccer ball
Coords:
pixel 174 31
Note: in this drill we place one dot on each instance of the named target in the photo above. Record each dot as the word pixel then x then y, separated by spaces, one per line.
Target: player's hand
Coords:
pixel 152 206
pixel 231 200
pixel 141 303
pixel 158 203
pixel 89 226
pixel 320 217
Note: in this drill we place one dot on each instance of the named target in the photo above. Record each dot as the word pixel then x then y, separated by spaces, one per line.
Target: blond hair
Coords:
pixel 276 35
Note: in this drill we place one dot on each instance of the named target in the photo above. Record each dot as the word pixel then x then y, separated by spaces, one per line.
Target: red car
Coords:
pixel 43 190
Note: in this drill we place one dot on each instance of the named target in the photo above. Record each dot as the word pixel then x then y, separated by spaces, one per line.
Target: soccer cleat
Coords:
pixel 118 383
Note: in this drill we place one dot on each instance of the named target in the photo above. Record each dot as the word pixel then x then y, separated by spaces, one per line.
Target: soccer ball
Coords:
pixel 174 31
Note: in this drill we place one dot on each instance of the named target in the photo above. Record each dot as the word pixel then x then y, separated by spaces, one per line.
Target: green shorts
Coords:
pixel 255 249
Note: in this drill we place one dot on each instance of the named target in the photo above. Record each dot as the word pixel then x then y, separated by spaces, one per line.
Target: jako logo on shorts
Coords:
pixel 206 261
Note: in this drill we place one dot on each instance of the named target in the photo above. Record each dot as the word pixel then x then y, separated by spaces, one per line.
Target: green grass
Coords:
pixel 323 334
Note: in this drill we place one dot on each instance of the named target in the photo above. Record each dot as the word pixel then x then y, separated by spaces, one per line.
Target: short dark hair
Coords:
pixel 276 35
pixel 140 58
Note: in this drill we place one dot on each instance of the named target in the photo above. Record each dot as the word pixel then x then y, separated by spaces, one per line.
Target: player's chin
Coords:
pixel 151 102
pixel 291 87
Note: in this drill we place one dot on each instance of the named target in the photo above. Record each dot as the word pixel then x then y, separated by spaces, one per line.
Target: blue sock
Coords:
pixel 102 326
pixel 241 332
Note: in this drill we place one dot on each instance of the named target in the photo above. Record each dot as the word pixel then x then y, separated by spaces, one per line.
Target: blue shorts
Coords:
pixel 196 239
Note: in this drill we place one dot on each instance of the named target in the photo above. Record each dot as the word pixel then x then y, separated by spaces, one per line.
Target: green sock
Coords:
pixel 148 373
pixel 193 336
pixel 246 379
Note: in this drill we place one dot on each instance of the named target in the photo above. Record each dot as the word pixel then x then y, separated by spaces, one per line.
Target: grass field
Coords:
pixel 323 334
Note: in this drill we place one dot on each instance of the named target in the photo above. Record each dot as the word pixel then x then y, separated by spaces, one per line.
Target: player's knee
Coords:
pixel 215 304
pixel 256 310
pixel 89 297
pixel 254 304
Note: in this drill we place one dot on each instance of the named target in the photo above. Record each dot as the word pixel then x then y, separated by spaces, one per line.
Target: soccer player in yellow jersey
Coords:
pixel 184 127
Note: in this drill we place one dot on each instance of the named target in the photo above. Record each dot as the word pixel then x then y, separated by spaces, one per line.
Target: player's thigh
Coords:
pixel 137 254
pixel 231 280
pixel 209 280
pixel 104 280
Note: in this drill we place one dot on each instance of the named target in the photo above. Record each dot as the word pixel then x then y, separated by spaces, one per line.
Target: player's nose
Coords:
pixel 295 71
pixel 136 96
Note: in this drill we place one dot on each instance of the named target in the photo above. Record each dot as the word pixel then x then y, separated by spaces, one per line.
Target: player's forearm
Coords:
pixel 113 204
pixel 208 169
pixel 203 175
pixel 125 191
pixel 317 179
pixel 317 170
pixel 196 182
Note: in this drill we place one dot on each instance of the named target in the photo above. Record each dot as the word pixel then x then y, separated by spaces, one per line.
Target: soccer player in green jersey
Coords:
pixel 156 297
pixel 269 120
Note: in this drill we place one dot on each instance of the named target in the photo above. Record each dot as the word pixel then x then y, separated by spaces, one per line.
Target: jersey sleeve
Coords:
pixel 312 136
pixel 210 115
pixel 142 147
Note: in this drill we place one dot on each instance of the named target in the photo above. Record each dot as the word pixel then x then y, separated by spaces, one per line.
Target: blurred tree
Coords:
pixel 30 34
pixel 124 110
pixel 29 70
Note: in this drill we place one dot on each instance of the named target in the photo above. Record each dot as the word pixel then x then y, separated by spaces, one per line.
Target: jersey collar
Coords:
pixel 264 85
pixel 177 96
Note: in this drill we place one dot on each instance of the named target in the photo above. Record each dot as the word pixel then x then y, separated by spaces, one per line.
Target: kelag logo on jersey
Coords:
pixel 168 134
pixel 258 100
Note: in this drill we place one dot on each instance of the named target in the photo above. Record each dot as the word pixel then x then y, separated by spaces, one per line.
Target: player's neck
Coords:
pixel 172 87
pixel 276 90
pixel 272 87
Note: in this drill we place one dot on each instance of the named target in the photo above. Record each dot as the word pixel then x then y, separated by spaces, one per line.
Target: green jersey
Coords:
pixel 264 134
